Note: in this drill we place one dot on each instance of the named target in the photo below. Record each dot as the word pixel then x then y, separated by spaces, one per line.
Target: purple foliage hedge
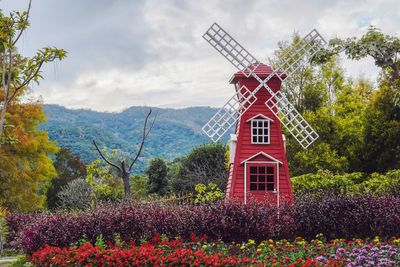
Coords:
pixel 342 216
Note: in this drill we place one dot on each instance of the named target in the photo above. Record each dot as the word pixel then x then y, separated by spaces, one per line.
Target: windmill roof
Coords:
pixel 260 69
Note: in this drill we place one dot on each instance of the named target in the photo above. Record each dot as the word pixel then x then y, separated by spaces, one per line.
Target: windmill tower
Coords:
pixel 258 165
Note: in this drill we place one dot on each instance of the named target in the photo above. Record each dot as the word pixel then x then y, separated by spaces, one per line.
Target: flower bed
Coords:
pixel 157 252
pixel 335 217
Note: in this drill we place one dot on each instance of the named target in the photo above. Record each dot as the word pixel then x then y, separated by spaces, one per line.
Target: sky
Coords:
pixel 124 53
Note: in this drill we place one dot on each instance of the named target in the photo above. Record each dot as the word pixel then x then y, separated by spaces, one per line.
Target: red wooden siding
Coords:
pixel 245 149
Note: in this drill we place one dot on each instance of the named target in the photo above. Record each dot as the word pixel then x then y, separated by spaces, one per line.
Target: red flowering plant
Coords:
pixel 160 251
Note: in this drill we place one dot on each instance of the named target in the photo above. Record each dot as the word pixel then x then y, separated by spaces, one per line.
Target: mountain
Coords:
pixel 175 132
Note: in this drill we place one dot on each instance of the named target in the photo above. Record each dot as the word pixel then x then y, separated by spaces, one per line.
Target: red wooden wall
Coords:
pixel 245 149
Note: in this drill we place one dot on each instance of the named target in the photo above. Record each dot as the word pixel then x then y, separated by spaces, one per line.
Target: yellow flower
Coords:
pixel 251 241
pixel 204 246
pixel 258 250
pixel 270 241
pixel 242 247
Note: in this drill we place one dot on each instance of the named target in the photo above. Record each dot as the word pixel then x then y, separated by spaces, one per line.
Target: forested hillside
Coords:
pixel 175 131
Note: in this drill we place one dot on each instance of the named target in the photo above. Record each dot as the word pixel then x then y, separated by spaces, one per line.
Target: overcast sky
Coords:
pixel 125 53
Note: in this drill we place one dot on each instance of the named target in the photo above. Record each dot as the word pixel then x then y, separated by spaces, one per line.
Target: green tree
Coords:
pixel 139 185
pixel 68 167
pixel 204 164
pixel 383 48
pixel 107 185
pixel 335 107
pixel 381 151
pixel 157 173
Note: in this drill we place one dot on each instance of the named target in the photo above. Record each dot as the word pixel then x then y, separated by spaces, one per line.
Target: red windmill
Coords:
pixel 258 166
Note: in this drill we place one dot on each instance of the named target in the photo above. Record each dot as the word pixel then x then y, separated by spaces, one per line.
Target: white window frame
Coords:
pixel 263 128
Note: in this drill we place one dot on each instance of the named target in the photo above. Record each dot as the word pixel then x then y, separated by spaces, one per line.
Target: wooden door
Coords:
pixel 261 181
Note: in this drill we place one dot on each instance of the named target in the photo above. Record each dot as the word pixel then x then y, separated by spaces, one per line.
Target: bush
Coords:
pixel 15 223
pixel 348 217
pixel 77 194
pixel 342 216
pixel 208 193
pixel 325 182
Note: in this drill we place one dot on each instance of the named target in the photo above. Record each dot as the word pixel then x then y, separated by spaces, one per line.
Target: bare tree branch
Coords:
pixel 144 136
pixel 104 158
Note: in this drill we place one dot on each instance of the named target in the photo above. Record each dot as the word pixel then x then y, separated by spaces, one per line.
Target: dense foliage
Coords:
pixel 163 252
pixel 25 165
pixel 325 182
pixel 335 217
pixel 203 164
pixel 68 168
pixel 157 173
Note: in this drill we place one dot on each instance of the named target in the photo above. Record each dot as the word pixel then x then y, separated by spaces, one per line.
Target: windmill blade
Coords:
pixel 227 116
pixel 234 52
pixel 296 56
pixel 292 119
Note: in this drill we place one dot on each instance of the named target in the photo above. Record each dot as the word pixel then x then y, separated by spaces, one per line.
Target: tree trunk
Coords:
pixel 3 119
pixel 127 185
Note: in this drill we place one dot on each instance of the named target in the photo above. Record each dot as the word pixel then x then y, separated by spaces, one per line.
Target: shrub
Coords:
pixel 325 182
pixel 341 216
pixel 346 216
pixel 227 221
pixel 208 193
pixel 77 194
pixel 15 223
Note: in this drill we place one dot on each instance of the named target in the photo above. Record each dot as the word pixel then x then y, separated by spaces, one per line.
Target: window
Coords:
pixel 260 131
pixel 262 178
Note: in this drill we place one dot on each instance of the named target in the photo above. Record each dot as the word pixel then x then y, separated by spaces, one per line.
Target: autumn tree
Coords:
pixel 25 166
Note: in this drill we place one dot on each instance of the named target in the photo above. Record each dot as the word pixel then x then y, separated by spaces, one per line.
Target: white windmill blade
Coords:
pixel 292 119
pixel 227 116
pixel 234 52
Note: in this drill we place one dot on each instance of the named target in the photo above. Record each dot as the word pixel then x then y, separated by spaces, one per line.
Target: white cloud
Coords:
pixel 124 53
